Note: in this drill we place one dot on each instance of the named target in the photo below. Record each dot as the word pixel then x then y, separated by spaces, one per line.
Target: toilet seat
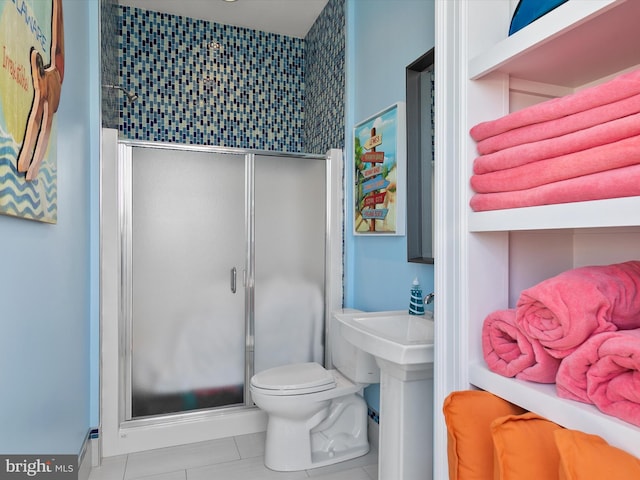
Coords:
pixel 296 379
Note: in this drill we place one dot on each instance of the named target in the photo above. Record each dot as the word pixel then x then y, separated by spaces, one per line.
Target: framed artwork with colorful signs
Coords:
pixel 379 173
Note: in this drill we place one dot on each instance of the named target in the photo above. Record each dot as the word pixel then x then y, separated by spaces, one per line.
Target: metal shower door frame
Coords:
pixel 118 436
pixel 125 186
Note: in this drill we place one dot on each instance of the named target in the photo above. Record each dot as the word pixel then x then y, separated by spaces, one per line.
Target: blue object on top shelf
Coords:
pixel 528 11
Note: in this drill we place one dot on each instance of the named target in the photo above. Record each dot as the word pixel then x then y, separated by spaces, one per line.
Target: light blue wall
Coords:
pixel 48 291
pixel 383 37
pixel 95 109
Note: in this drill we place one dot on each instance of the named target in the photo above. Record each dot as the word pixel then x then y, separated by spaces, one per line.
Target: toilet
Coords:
pixel 316 417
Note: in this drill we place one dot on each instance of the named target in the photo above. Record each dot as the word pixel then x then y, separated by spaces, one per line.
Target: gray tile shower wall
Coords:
pixel 324 76
pixel 200 82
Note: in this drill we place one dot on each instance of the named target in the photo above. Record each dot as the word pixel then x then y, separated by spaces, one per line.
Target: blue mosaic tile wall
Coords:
pixel 324 76
pixel 200 82
pixel 110 62
pixel 231 86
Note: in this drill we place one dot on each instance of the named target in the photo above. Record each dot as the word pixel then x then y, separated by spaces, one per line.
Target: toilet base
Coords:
pixel 332 435
pixel 322 459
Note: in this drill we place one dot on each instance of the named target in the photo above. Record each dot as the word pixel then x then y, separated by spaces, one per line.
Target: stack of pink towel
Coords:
pixel 584 146
pixel 579 329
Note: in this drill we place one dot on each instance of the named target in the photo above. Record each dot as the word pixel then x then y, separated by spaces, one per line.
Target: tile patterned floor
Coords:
pixel 235 458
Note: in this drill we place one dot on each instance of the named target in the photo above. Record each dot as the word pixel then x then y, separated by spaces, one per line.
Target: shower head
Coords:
pixel 130 95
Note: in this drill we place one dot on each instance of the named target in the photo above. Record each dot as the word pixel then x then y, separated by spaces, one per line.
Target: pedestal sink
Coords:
pixel 402 345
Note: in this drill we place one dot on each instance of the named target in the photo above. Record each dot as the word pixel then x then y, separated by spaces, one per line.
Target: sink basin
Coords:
pixel 392 336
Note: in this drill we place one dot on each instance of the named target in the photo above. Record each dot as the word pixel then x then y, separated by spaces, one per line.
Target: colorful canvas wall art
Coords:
pixel 32 49
pixel 380 173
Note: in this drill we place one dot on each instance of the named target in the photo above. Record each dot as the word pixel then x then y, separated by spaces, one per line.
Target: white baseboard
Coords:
pixel 95 452
pixel 85 458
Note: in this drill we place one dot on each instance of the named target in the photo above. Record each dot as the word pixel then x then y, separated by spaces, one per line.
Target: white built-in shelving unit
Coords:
pixel 484 259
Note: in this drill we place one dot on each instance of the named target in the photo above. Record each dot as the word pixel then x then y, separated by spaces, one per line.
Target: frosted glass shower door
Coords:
pixel 187 323
pixel 290 236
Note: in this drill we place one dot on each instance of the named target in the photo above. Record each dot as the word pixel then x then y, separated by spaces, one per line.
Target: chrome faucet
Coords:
pixel 429 298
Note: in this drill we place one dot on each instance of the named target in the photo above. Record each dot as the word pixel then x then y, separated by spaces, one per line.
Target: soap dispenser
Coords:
pixel 416 303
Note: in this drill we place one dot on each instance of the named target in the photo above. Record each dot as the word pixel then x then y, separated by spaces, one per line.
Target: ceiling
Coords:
pixel 287 17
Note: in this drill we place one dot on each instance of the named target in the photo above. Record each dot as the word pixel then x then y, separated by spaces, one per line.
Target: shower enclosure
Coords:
pixel 217 263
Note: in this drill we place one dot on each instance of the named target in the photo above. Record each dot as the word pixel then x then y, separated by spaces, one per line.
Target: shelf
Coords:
pixel 542 399
pixel 592 39
pixel 578 44
pixel 615 212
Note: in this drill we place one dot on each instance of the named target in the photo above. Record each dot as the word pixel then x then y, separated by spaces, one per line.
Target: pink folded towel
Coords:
pixel 595 136
pixel 620 182
pixel 623 86
pixel 605 371
pixel 560 126
pixel 605 157
pixel 563 311
pixel 510 353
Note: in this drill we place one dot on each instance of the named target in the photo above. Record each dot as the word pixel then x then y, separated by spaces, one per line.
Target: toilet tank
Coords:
pixel 355 364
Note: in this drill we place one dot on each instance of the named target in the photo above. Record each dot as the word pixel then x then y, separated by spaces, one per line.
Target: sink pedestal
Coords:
pixel 402 346
pixel 406 421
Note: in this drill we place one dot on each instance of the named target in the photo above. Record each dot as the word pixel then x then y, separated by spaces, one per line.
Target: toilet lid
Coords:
pixel 294 379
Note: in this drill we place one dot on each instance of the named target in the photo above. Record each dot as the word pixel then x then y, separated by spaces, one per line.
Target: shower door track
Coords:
pixel 218 149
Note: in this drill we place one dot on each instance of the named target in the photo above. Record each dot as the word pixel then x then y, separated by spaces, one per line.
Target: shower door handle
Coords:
pixel 234 275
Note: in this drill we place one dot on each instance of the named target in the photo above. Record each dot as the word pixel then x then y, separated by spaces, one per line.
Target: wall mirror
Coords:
pixel 420 158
